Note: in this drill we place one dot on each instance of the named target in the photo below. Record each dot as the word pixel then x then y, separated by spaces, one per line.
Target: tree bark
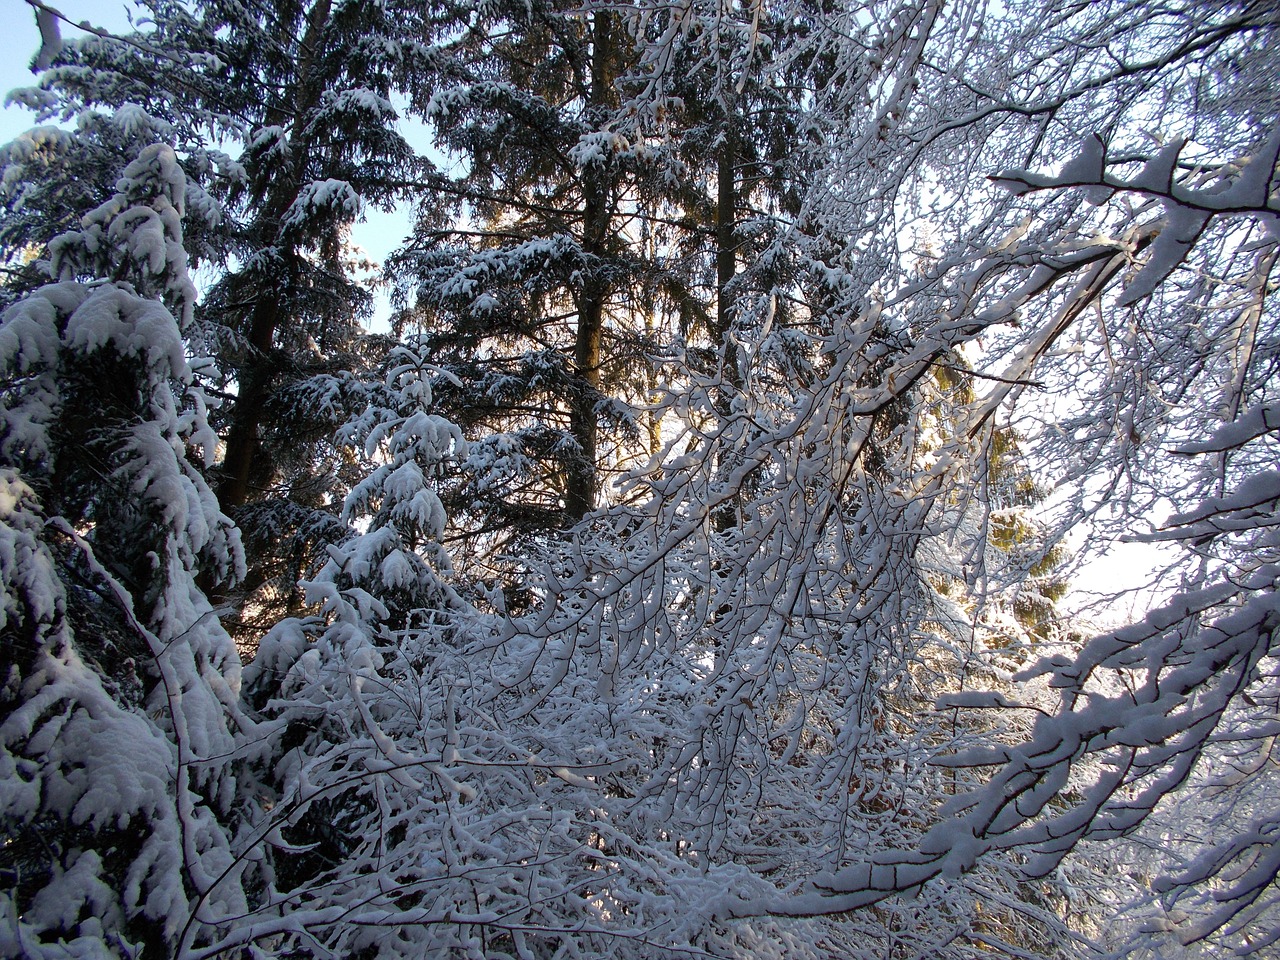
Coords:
pixel 726 269
pixel 582 487
pixel 243 452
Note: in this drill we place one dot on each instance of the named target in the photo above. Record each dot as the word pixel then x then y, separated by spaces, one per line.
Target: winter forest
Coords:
pixel 689 566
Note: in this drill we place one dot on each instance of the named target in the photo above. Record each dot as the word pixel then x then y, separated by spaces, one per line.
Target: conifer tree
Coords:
pixel 281 115
pixel 121 732
pixel 534 299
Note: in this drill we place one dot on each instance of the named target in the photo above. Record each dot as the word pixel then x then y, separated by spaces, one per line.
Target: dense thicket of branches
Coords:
pixel 682 575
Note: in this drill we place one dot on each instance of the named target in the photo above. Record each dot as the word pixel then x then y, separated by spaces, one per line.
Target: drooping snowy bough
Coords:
pixel 121 728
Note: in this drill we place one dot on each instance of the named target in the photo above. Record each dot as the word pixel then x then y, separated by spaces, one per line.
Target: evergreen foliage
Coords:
pixel 529 289
pixel 685 573
pixel 122 724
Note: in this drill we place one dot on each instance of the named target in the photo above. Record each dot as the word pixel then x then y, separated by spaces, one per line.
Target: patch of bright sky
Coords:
pixel 1114 580
pixel 376 236
pixel 22 40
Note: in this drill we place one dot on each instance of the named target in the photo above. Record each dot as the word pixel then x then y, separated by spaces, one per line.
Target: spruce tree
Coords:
pixel 533 296
pixel 121 734
pixel 282 117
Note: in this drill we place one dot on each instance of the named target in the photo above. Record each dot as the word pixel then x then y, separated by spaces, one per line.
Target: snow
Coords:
pixel 50 39
pixel 1158 173
pixel 708 714
pixel 1087 167
pixel 1248 425
pixel 1179 231
pixel 272 141
pixel 322 199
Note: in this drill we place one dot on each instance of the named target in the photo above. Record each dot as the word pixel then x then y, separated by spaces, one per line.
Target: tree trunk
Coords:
pixel 726 245
pixel 583 475
pixel 726 269
pixel 243 450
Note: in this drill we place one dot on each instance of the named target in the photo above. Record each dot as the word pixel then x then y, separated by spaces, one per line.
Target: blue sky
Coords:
pixel 22 40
